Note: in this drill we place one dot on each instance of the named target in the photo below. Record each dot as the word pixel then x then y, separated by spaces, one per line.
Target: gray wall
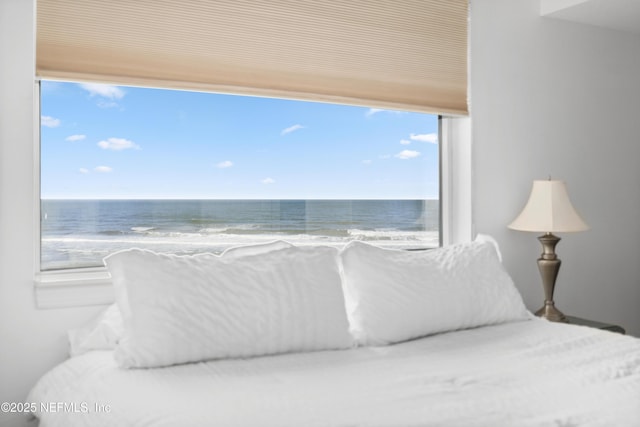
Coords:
pixel 559 98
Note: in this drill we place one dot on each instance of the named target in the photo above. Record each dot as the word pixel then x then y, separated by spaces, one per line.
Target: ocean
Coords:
pixel 80 233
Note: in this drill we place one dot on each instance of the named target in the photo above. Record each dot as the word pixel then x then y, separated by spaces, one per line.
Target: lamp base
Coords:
pixel 551 313
pixel 549 265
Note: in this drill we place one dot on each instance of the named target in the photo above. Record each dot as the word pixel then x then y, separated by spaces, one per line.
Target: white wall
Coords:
pixel 547 97
pixel 560 98
pixel 31 341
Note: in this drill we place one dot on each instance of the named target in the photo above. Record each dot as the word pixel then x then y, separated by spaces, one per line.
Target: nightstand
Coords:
pixel 593 324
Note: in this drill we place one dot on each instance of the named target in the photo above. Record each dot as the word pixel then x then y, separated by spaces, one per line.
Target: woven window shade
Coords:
pixel 406 54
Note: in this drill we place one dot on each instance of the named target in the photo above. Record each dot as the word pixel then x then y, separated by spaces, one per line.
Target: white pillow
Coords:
pixel 395 295
pixel 255 249
pixel 103 332
pixel 179 309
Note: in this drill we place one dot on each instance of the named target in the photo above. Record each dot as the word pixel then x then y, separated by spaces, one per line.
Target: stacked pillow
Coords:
pixel 179 309
pixel 276 298
pixel 396 295
pixel 104 332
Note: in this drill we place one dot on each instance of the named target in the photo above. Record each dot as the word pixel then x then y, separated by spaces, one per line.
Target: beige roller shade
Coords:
pixel 408 54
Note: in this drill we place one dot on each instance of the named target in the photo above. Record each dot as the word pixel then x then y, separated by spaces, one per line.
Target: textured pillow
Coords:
pixel 103 332
pixel 179 309
pixel 255 249
pixel 395 295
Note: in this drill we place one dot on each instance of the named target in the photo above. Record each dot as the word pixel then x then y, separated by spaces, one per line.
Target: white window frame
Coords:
pixel 456 169
pixel 92 286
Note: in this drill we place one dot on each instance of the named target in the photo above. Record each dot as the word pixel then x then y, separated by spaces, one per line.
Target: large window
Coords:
pixel 187 172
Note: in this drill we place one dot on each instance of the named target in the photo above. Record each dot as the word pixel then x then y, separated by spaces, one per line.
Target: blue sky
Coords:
pixel 103 141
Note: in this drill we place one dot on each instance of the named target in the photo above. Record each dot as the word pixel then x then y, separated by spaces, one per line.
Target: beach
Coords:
pixel 80 233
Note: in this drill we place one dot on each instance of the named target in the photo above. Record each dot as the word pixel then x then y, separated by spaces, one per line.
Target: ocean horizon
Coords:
pixel 81 232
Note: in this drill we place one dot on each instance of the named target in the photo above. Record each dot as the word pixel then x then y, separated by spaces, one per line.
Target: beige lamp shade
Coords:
pixel 549 210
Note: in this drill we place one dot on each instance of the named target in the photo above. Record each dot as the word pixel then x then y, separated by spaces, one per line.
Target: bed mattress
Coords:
pixel 529 373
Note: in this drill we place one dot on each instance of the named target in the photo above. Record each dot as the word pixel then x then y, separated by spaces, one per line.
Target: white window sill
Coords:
pixel 71 288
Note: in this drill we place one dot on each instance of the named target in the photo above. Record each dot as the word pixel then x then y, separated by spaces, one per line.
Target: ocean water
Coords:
pixel 80 233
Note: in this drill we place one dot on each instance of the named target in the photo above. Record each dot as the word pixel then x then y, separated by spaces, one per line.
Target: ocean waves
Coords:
pixel 81 233
pixel 88 251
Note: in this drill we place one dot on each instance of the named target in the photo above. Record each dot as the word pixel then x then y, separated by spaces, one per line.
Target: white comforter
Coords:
pixel 531 373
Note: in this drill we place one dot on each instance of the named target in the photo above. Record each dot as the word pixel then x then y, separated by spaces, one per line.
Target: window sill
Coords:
pixel 72 288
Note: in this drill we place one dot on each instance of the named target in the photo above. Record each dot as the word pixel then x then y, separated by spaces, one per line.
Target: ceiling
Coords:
pixel 620 15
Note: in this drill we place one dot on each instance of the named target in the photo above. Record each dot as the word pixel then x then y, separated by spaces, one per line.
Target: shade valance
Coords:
pixel 408 54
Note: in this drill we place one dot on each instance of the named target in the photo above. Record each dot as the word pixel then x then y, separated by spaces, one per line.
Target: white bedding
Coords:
pixel 530 373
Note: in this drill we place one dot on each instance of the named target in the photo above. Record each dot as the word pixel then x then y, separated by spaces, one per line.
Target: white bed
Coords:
pixel 278 335
pixel 528 373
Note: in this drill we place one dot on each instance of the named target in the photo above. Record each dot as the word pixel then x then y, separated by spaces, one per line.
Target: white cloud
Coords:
pixel 49 121
pixel 407 154
pixel 103 169
pixel 384 156
pixel 105 91
pixel 291 129
pixel 117 144
pixel 405 142
pixel 268 181
pixel 372 111
pixel 225 164
pixel 367 162
pixel 74 138
pixel 83 170
pixel 426 137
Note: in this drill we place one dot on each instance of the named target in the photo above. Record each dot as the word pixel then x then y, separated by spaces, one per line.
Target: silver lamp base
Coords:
pixel 549 266
pixel 551 313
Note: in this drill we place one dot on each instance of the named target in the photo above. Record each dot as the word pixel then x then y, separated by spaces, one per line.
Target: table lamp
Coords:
pixel 549 211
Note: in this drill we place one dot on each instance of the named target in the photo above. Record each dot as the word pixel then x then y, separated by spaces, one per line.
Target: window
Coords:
pixel 187 172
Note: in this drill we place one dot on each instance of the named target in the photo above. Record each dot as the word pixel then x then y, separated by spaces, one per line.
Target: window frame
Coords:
pixel 93 286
